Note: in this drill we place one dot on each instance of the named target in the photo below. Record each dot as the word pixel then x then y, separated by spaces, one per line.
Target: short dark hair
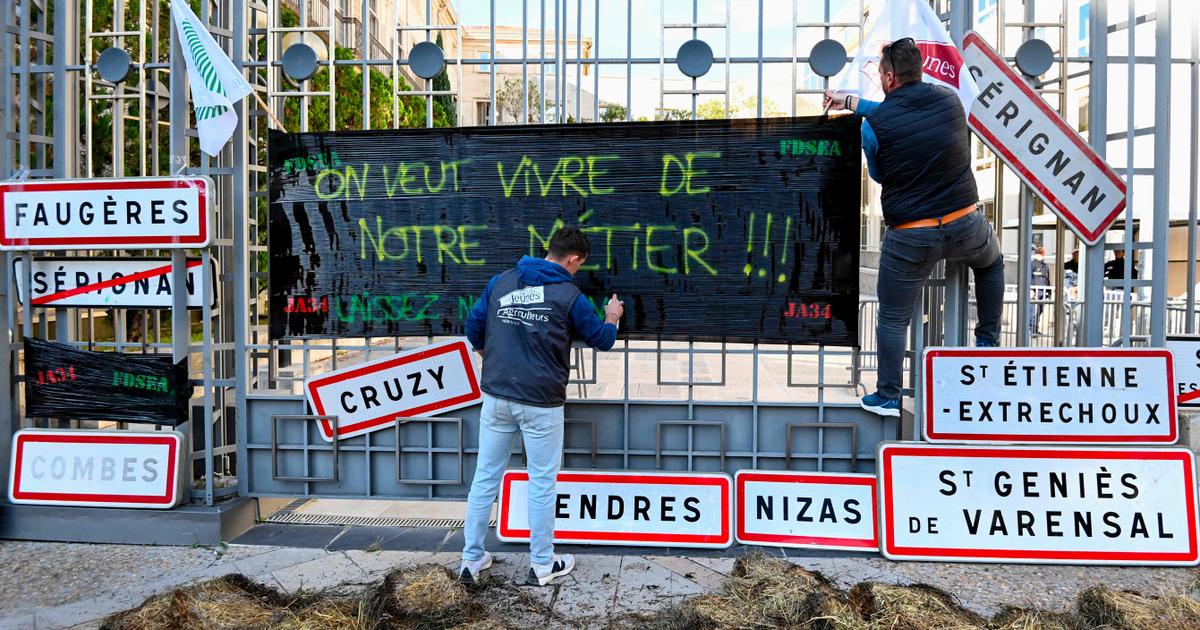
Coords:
pixel 903 58
pixel 569 240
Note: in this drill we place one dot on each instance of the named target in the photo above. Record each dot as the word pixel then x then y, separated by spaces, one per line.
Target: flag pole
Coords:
pixel 268 110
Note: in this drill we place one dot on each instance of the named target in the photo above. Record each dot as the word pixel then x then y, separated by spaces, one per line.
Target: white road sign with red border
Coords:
pixel 1044 151
pixel 1050 395
pixel 371 396
pixel 807 510
pixel 141 213
pixel 655 509
pixel 1038 504
pixel 1186 350
pixel 96 468
pixel 112 282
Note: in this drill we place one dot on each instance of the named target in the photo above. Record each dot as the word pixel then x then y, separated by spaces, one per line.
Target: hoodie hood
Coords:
pixel 535 271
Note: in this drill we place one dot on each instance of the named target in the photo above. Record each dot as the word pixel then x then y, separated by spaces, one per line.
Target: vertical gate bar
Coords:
pixel 662 51
pixel 596 71
pixel 1162 171
pixel 1190 324
pixel 429 82
pixel 365 76
pixel 758 110
pixel 207 366
pixel 578 61
pixel 1092 282
pixel 492 66
pixel 754 404
pixel 524 62
pixel 1126 308
pixel 628 69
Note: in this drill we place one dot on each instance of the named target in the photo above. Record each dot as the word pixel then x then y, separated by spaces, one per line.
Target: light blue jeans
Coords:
pixel 542 431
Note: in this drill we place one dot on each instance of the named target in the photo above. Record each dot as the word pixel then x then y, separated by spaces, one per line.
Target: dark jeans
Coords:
pixel 905 262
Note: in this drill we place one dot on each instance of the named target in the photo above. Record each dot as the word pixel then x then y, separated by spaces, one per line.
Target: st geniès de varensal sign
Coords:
pixel 112 282
pixel 373 395
pixel 743 230
pixel 1186 350
pixel 657 509
pixel 62 381
pixel 141 213
pixel 1041 148
pixel 1041 504
pixel 1049 395
pixel 810 509
pixel 96 468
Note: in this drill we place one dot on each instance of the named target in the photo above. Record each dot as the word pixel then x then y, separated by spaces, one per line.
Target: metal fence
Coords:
pixel 707 406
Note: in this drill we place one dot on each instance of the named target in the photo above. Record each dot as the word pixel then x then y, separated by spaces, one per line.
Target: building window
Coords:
pixel 483 110
pixel 484 69
pixel 984 9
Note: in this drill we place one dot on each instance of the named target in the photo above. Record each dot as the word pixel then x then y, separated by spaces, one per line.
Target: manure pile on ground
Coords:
pixel 762 592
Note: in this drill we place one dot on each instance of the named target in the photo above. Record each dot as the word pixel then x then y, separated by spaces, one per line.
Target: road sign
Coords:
pixel 1049 395
pixel 371 396
pixel 1041 148
pixel 112 282
pixel 810 510
pixel 1040 504
pixel 96 468
pixel 141 213
pixel 1186 350
pixel 656 509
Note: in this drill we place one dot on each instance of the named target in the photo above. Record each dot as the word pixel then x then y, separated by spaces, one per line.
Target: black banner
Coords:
pixel 742 230
pixel 65 382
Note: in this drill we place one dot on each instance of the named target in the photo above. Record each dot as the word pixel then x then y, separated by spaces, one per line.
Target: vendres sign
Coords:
pixel 737 230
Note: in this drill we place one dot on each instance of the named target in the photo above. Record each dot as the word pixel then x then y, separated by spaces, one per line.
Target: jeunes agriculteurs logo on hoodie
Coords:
pixel 517 307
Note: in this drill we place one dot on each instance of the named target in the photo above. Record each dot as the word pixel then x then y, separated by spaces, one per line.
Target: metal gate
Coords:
pixel 645 405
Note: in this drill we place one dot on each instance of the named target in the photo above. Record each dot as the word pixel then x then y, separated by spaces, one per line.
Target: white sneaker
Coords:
pixel 470 571
pixel 542 574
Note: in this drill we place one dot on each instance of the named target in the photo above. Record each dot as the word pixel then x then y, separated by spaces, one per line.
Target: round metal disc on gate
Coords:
pixel 694 58
pixel 426 60
pixel 114 65
pixel 827 58
pixel 299 61
pixel 1035 57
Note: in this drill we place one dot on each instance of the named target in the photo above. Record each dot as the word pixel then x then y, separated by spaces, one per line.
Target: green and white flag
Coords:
pixel 216 83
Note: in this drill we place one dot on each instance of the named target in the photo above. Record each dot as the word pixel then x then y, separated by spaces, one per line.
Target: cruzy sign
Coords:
pixel 112 282
pixel 813 510
pixel 371 396
pixel 142 213
pixel 742 230
pixel 628 508
pixel 1061 504
pixel 1186 350
pixel 1045 152
pixel 96 468
pixel 1049 395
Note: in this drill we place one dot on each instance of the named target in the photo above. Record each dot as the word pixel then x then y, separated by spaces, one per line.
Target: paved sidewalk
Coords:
pixel 55 585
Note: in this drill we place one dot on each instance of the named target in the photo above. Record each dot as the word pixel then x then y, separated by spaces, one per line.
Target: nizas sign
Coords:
pixel 96 468
pixel 112 282
pixel 1045 152
pixel 371 396
pixel 142 213
pixel 647 508
pixel 1186 350
pixel 813 510
pixel 1068 504
pixel 1049 395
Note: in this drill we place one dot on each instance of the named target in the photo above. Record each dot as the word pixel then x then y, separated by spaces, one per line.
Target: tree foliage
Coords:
pixel 613 112
pixel 508 101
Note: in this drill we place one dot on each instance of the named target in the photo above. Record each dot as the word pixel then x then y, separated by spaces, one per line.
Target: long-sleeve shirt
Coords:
pixel 870 143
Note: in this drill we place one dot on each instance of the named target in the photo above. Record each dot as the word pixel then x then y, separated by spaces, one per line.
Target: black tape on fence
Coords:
pixel 743 230
pixel 65 382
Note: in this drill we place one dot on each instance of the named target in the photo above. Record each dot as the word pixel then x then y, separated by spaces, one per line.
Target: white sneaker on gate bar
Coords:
pixel 542 574
pixel 470 571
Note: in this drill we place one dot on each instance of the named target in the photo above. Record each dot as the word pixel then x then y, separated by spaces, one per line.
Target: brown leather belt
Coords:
pixel 949 218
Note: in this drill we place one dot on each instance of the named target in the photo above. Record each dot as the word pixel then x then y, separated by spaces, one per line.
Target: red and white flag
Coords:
pixel 890 20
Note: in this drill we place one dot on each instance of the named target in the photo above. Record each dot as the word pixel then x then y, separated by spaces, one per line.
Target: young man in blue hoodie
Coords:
pixel 523 326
